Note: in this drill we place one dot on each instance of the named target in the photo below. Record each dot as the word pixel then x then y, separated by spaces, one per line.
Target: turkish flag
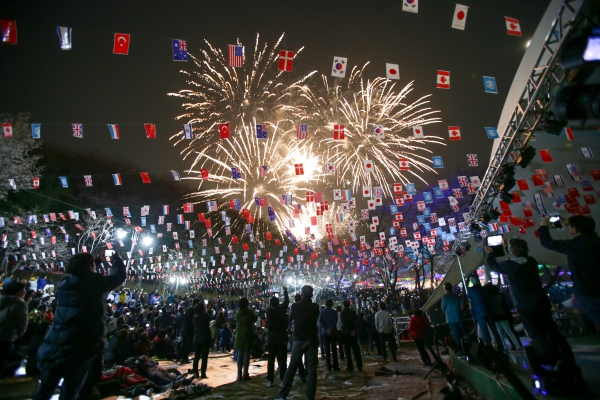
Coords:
pixel 454 133
pixel 443 80
pixel 224 131
pixel 9 31
pixel 121 45
pixel 150 131
pixel 573 192
pixel 286 60
pixel 589 199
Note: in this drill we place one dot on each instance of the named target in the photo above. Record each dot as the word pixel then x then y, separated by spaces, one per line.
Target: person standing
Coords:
pixel 385 329
pixel 451 308
pixel 583 262
pixel 349 320
pixel 277 323
pixel 482 314
pixel 373 335
pixel 202 339
pixel 187 334
pixel 73 346
pixel 306 342
pixel 245 319
pixel 14 319
pixel 530 299
pixel 418 328
pixel 500 315
pixel 328 319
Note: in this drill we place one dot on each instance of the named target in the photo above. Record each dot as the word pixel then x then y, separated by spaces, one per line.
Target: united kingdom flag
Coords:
pixel 457 193
pixel 471 189
pixel 463 181
pixel 88 180
pixel 472 159
pixel 377 192
pixel 77 130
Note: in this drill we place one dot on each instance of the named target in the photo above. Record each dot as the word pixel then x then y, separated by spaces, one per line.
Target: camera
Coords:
pixel 555 222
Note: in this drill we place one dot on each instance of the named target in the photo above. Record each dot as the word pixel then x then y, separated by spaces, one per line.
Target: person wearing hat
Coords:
pixel 277 323
pixel 14 319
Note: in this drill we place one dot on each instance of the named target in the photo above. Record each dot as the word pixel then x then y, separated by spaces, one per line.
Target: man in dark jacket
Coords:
pixel 73 346
pixel 306 341
pixel 583 262
pixel 187 335
pixel 13 319
pixel 349 319
pixel 328 319
pixel 530 299
pixel 482 314
pixel 202 339
pixel 373 335
pixel 277 322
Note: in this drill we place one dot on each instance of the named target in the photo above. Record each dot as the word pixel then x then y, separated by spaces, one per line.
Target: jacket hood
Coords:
pixel 520 260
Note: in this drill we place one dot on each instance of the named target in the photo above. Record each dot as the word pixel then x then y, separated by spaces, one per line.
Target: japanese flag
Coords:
pixel 512 26
pixel 418 131
pixel 366 190
pixel 373 228
pixel 460 17
pixel 368 165
pixel 475 181
pixel 443 80
pixel 339 67
pixel 392 71
pixel 371 205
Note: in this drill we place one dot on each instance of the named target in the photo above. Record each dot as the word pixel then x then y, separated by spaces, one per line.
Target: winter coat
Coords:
pixel 13 318
pixel 79 322
pixel 418 327
pixel 451 307
pixel 201 328
pixel 277 320
pixel 245 318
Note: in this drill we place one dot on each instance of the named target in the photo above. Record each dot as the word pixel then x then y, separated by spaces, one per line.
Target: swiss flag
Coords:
pixel 204 173
pixel 224 131
pixel 338 132
pixel 512 26
pixel 454 133
pixel 299 168
pixel 121 45
pixel 145 177
pixel 286 60
pixel 404 166
pixel 443 80
pixel 150 131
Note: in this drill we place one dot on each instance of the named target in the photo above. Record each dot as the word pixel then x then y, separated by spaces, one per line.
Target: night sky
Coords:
pixel 91 85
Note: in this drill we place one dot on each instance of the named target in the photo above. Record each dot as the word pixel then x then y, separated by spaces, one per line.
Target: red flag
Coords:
pixel 523 184
pixel 454 132
pixel 201 217
pixel 443 80
pixel 546 157
pixel 121 45
pixel 286 60
pixel 150 131
pixel 145 177
pixel 299 169
pixel 403 164
pixel 36 183
pixel 204 173
pixel 224 131
pixel 338 132
pixel 9 31
pixel 512 26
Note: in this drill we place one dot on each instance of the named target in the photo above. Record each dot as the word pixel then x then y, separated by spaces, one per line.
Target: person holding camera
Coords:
pixel 583 262
pixel 530 299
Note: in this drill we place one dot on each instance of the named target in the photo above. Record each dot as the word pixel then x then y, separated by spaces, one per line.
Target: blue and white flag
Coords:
pixel 36 131
pixel 63 181
pixel 180 50
pixel 427 197
pixel 438 162
pixel 175 175
pixel 261 131
pixel 491 132
pixel 558 180
pixel 587 152
pixel 410 189
pixel 108 212
pixel 438 192
pixel 187 131
pixel 489 84
pixel 64 37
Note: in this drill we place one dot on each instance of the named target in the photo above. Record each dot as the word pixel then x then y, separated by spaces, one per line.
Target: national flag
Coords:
pixel 236 55
pixel 117 179
pixel 180 52
pixel 114 131
pixel 310 197
pixel 36 131
pixel 512 26
pixel 175 175
pixel 403 162
pixel 443 79
pixel 489 85
pixel 299 168
pixel 460 17
pixel 301 131
pixel 7 129
pixel 121 45
pixel 188 133
pixel 264 170
pixel 587 152
pixel 166 210
pixel 145 177
pixel 366 191
pixel 475 181
pixel 377 192
pixel 36 183
pixel 472 160
pixel 88 180
pixel 392 71
pixel 558 180
pixel 471 189
pixel 330 168
pixel 574 171
pixel 569 133
pixel 338 132
pixel 286 60
pixel 438 162
pixel 411 6
pixel 77 130
pixel 398 188
pixel 346 194
pixel 454 133
pixel 188 207
pixel 339 67
pixel 491 132
pixel 224 131
pixel 9 31
pixel 418 132
pixel 457 193
pixel 368 166
pixel 180 219
pixel 63 181
pixel 261 131
pixel 236 173
pixel 378 131
pixel 443 184
pixel 150 131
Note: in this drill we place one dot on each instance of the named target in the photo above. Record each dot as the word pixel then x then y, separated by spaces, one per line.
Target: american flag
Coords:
pixel 77 130
pixel 472 159
pixel 301 131
pixel 236 55
pixel 548 189
pixel 88 180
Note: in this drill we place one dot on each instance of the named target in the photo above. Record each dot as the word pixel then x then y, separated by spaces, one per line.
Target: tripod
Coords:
pixel 444 371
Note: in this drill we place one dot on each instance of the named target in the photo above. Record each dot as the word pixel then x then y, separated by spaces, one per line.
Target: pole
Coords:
pixel 462 275
pixel 133 242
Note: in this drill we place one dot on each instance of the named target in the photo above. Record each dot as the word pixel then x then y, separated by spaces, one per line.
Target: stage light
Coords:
pixel 147 240
pixel 121 233
pixel 507 184
pixel 524 156
pixel 552 126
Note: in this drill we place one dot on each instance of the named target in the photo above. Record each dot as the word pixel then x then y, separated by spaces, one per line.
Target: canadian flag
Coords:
pixel 443 80
pixel 418 131
pixel 36 183
pixel 397 188
pixel 403 164
pixel 7 129
pixel 366 191
pixel 454 133
pixel 512 26
pixel 368 164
